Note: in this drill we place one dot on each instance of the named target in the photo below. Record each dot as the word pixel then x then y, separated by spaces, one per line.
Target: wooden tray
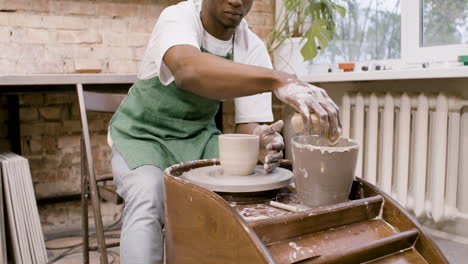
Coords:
pixel 202 227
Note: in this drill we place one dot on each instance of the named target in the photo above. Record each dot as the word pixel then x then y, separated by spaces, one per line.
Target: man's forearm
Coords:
pixel 213 77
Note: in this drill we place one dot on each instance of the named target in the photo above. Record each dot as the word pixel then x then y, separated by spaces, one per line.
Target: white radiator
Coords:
pixel 409 148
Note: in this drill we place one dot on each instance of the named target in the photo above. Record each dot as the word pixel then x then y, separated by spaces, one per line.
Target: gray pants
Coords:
pixel 141 240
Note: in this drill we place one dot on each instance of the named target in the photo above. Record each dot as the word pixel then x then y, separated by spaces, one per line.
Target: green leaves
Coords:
pixel 341 10
pixel 313 20
pixel 318 32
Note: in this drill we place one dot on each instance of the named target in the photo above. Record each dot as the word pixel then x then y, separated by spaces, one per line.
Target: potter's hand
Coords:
pixel 271 145
pixel 310 100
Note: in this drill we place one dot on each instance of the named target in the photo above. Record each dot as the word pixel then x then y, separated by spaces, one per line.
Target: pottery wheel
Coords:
pixel 213 179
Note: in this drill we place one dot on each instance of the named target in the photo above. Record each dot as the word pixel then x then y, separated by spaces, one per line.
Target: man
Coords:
pixel 199 53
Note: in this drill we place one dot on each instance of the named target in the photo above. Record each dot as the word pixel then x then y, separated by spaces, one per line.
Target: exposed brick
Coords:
pixel 71 126
pixel 35 146
pixel 123 66
pixel 31 35
pixel 30 66
pixel 34 52
pixel 32 129
pixel 121 53
pixel 4 18
pixel 24 20
pixel 15 5
pixel 40 5
pixel 75 111
pixel 77 51
pixel 109 24
pixel 49 145
pixel 13 50
pixel 50 99
pixel 7 66
pixel 100 141
pixel 142 25
pixel 70 159
pixel 18 35
pixel 253 20
pixel 265 6
pixel 88 66
pixel 113 39
pixel 150 11
pixel 5 145
pixel 99 115
pixel 68 66
pixel 28 114
pixel 51 112
pixel 103 167
pixel 117 9
pixel 79 37
pixel 26 5
pixel 137 39
pixel 66 142
pixel 66 112
pixel 87 8
pixel 5 34
pixel 100 52
pixel 66 22
pixel 139 52
pixel 31 100
pixel 260 19
pixel 40 129
pixel 98 125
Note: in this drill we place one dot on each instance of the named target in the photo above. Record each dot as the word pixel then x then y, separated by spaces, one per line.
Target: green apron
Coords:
pixel 164 125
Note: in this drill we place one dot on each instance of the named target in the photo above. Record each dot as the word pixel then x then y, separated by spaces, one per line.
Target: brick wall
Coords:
pixel 68 36
pixel 4 142
pixel 65 36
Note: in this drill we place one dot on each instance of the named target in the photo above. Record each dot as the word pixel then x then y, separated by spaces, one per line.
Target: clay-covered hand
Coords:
pixel 271 145
pixel 311 100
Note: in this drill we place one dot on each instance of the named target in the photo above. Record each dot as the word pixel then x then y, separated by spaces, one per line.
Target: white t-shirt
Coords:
pixel 181 25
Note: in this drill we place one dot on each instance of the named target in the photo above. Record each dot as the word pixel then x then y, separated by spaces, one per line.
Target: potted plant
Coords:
pixel 302 28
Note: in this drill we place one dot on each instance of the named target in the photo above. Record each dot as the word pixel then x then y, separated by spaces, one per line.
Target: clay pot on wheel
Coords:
pixel 323 174
pixel 238 153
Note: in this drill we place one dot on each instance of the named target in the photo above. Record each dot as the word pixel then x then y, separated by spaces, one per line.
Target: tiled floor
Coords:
pixel 70 251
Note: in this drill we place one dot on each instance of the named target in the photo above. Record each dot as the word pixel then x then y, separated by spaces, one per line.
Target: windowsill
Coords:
pixel 440 73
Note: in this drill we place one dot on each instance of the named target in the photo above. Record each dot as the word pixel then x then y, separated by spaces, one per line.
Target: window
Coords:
pixel 369 31
pixel 444 22
pixel 434 29
pixel 411 30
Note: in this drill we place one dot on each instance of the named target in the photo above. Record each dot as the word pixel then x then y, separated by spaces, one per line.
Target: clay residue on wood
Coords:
pixel 252 212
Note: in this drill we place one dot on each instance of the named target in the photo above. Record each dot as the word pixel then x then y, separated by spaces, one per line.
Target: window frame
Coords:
pixel 411 37
pixel 411 31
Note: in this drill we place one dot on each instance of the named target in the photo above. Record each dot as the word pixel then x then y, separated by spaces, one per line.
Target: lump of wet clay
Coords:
pixel 298 126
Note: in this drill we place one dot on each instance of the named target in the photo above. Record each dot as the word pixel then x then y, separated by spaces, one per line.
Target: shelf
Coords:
pixel 459 72
pixel 65 79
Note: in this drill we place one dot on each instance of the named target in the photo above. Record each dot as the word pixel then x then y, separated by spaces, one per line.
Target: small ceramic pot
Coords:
pixel 238 153
pixel 323 174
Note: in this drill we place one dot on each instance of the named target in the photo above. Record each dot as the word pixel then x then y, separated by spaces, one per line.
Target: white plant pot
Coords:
pixel 288 57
